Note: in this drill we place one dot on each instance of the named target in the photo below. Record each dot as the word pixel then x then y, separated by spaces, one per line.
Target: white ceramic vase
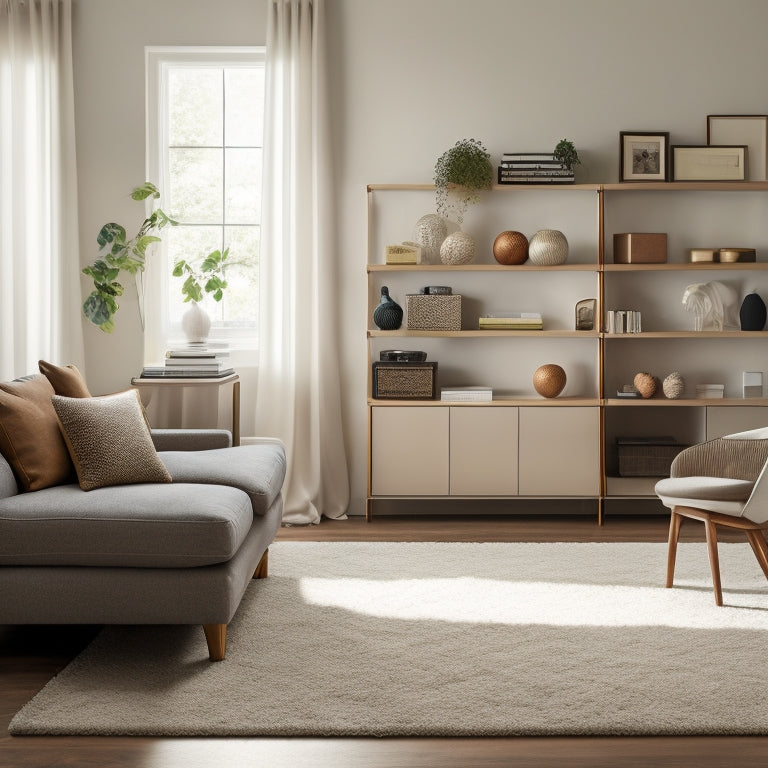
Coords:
pixel 457 248
pixel 195 323
pixel 548 247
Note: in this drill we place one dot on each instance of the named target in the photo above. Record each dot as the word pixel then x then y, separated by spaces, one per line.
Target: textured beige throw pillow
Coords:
pixel 109 440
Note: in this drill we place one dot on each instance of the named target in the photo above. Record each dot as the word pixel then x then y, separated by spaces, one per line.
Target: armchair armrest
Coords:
pixel 730 457
pixel 191 439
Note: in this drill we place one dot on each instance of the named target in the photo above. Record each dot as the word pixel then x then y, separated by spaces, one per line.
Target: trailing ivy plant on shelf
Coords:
pixel 461 173
pixel 119 253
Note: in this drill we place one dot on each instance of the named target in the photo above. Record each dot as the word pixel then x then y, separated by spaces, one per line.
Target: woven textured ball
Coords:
pixel 548 247
pixel 549 380
pixel 673 386
pixel 457 248
pixel 646 384
pixel 510 248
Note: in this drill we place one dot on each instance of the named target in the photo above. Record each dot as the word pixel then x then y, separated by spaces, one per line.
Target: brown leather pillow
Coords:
pixel 109 440
pixel 65 380
pixel 30 439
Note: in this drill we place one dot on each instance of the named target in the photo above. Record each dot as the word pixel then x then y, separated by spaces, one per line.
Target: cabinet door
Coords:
pixel 559 451
pixel 483 451
pixel 409 451
pixel 724 420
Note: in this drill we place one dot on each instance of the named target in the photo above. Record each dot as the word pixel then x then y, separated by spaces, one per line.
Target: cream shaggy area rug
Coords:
pixel 394 639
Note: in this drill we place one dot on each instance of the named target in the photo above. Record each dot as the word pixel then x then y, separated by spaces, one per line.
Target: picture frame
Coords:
pixel 643 156
pixel 585 314
pixel 709 163
pixel 751 130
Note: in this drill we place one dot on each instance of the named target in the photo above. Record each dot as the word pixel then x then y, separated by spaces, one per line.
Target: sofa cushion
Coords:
pixel 109 440
pixel 65 380
pixel 258 469
pixel 152 526
pixel 30 439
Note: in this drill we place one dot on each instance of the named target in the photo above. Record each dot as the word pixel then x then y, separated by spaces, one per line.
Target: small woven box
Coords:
pixel 427 312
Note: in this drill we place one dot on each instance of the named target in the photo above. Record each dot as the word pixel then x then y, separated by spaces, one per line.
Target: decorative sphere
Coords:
pixel 549 380
pixel 548 247
pixel 673 386
pixel 429 233
pixel 510 248
pixel 457 248
pixel 646 384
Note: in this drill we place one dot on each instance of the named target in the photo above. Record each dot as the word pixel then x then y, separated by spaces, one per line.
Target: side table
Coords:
pixel 194 403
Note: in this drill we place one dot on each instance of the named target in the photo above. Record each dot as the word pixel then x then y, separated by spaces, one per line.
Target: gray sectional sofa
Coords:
pixel 174 552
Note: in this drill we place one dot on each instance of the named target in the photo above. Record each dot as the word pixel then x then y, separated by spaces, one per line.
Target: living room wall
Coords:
pixel 408 78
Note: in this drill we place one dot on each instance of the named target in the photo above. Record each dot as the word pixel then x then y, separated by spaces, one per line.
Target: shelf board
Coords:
pixel 476 334
pixel 688 266
pixel 640 402
pixel 504 401
pixel 595 267
pixel 494 187
pixel 688 335
pixel 687 186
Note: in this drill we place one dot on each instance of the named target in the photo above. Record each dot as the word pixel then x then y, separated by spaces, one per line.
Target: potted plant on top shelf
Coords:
pixel 461 173
pixel 566 153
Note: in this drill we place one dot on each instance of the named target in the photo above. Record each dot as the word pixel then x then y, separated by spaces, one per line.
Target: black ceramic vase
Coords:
pixel 752 313
pixel 389 314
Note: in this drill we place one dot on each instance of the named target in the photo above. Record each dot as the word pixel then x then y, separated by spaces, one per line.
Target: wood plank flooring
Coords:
pixel 30 656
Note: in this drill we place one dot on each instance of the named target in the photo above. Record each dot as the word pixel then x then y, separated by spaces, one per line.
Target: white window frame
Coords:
pixel 158 60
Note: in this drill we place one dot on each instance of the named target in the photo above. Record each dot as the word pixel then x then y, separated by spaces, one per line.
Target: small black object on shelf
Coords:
pixel 752 314
pixel 388 316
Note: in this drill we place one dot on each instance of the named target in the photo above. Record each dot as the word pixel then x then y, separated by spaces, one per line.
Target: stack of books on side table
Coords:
pixel 206 360
pixel 533 168
pixel 511 321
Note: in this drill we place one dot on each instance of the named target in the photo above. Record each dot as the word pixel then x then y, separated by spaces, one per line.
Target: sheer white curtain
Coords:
pixel 297 396
pixel 39 253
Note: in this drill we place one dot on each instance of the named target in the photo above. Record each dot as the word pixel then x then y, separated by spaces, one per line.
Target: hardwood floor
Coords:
pixel 30 656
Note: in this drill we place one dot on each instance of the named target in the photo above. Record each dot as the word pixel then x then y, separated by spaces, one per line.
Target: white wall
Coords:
pixel 409 78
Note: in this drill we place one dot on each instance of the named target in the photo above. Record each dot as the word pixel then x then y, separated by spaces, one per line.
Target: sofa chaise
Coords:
pixel 163 527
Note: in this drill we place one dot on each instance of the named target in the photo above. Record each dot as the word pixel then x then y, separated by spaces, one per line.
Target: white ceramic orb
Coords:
pixel 457 248
pixel 547 248
pixel 429 233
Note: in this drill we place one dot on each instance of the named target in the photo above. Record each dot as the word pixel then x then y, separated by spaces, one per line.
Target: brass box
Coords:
pixel 640 248
pixel 404 381
pixel 438 312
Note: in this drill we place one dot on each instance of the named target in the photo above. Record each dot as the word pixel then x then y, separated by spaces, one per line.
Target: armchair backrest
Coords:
pixel 8 486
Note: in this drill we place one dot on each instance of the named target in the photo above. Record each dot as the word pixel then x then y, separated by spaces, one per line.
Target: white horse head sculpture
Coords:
pixel 713 304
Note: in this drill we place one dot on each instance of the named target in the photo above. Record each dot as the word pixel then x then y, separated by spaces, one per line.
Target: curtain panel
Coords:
pixel 40 293
pixel 298 397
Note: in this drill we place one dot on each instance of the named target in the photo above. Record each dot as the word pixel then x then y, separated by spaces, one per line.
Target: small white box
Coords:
pixel 753 383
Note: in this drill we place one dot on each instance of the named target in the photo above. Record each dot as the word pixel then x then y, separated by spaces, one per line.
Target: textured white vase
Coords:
pixel 195 323
pixel 457 248
pixel 547 248
pixel 429 233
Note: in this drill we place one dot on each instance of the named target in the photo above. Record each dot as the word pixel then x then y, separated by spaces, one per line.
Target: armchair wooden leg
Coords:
pixel 760 548
pixel 216 637
pixel 262 569
pixel 675 521
pixel 714 560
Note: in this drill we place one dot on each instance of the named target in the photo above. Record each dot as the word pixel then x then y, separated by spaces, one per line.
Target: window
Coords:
pixel 204 144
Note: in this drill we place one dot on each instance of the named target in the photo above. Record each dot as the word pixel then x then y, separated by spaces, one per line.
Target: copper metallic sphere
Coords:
pixel 549 380
pixel 510 248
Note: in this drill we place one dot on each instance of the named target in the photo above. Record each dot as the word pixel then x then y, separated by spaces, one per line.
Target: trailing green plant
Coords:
pixel 208 276
pixel 119 253
pixel 566 153
pixel 460 174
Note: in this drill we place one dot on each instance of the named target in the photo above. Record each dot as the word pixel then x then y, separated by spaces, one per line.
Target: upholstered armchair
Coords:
pixel 721 482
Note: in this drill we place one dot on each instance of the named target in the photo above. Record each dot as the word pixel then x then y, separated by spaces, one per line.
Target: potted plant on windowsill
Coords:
pixel 204 278
pixel 119 253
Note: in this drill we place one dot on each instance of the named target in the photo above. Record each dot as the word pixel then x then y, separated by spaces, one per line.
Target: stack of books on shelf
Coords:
pixel 533 168
pixel 511 321
pixel 207 360
pixel 623 321
pixel 466 394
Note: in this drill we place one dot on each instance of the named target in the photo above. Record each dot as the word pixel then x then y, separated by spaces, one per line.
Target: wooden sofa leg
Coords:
pixel 675 521
pixel 262 568
pixel 216 637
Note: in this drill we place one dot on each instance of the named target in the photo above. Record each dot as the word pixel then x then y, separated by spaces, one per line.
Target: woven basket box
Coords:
pixel 427 312
pixel 404 381
pixel 642 457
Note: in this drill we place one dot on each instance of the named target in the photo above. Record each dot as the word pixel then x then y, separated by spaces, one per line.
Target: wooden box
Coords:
pixel 404 381
pixel 640 248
